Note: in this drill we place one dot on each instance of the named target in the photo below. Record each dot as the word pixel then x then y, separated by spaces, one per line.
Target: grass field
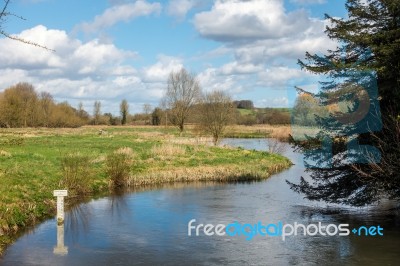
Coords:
pixel 30 165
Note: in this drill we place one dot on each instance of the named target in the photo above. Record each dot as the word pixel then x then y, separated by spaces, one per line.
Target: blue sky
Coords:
pixel 108 50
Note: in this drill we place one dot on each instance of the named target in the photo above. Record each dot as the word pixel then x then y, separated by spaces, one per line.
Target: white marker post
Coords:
pixel 60 194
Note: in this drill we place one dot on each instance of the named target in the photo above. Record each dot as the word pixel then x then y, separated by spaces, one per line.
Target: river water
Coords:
pixel 150 227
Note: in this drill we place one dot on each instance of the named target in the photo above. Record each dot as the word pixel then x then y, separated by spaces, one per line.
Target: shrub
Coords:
pixel 118 166
pixel 76 174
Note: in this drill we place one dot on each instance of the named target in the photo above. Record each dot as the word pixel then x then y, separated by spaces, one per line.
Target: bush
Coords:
pixel 76 174
pixel 118 167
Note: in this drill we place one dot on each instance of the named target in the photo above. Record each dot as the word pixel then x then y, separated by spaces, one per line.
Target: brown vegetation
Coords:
pixel 22 106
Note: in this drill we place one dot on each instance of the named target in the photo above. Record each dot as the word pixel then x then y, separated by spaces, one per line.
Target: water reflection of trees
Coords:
pixel 118 203
pixel 77 220
pixel 79 216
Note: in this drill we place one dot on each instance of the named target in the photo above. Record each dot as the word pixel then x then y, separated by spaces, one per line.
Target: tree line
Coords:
pixel 22 106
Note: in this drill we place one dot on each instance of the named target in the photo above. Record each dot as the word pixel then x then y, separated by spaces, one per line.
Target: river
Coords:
pixel 150 227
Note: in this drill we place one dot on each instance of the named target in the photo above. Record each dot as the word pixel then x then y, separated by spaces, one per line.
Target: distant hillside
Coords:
pixel 273 116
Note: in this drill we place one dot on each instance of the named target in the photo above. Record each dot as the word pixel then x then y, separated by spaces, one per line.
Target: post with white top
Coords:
pixel 60 194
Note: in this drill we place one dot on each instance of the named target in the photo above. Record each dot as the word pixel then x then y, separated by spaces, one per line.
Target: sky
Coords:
pixel 109 50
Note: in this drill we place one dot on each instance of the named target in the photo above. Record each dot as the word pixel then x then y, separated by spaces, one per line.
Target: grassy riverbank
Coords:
pixel 30 165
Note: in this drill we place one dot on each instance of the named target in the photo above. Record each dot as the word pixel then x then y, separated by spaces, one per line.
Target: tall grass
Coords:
pixel 280 132
pixel 167 150
pixel 118 167
pixel 76 174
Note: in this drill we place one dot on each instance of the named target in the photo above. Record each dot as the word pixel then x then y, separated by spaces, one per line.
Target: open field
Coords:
pixel 30 164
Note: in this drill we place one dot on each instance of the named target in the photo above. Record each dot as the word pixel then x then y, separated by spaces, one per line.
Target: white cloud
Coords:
pixel 279 77
pixel 213 79
pixel 236 20
pixel 159 71
pixel 117 13
pixel 236 68
pixel 230 79
pixel 71 55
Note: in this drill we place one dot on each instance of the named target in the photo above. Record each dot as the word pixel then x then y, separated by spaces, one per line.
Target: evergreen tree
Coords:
pixel 356 155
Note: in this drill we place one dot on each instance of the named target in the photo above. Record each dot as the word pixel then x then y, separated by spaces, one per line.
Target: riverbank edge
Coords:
pixel 230 173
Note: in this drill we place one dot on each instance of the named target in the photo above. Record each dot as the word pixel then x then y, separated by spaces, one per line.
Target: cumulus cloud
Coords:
pixel 234 68
pixel 117 13
pixel 71 55
pixel 236 20
pixel 159 71
pixel 213 79
pixel 279 77
pixel 237 79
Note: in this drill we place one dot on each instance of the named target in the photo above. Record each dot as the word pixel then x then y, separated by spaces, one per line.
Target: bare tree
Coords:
pixel 124 109
pixel 147 110
pixel 97 112
pixel 82 114
pixel 183 91
pixel 4 14
pixel 216 112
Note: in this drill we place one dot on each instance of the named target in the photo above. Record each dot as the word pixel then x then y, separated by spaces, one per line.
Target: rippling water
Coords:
pixel 150 227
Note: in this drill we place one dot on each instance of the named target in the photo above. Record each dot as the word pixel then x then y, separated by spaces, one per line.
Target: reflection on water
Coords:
pixel 60 249
pixel 149 226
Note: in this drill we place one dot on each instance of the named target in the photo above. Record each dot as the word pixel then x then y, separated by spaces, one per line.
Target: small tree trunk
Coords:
pixel 215 140
pixel 181 126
